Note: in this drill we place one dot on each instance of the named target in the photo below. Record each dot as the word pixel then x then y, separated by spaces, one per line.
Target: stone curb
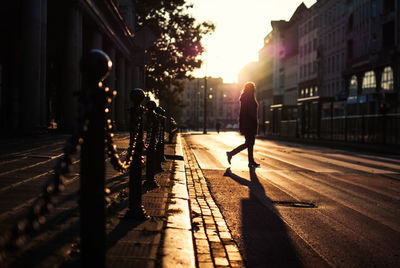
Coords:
pixel 213 243
pixel 178 249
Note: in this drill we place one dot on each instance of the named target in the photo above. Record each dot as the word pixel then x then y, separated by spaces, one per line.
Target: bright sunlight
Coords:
pixel 240 30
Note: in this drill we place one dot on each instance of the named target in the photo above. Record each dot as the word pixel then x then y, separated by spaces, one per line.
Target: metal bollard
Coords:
pixel 95 68
pixel 160 140
pixel 150 182
pixel 136 210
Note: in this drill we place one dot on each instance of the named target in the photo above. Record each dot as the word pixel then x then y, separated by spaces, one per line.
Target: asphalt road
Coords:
pixel 306 206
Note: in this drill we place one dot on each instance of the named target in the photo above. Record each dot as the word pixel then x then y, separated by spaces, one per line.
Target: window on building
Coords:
pixel 369 83
pixel 374 8
pixel 350 23
pixel 302 93
pixel 388 32
pixel 353 86
pixel 337 63
pixel 329 65
pixel 349 49
pixel 387 79
pixel 388 5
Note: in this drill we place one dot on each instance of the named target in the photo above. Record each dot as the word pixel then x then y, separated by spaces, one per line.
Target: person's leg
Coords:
pixel 250 140
pixel 250 143
pixel 235 151
pixel 238 149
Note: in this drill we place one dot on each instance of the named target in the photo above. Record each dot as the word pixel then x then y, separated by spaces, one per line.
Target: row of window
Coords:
pixel 333 14
pixel 369 82
pixel 308 69
pixel 335 63
pixel 308 26
pixel 308 47
pixel 333 38
pixel 309 92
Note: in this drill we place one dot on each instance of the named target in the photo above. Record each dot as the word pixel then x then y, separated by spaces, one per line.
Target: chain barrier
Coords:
pixel 35 215
pixel 151 137
pixel 93 138
pixel 111 147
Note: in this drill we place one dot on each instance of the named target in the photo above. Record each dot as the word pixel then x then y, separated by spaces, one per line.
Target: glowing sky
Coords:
pixel 240 30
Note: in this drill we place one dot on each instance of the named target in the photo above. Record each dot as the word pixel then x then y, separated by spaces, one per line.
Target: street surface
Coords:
pixel 306 205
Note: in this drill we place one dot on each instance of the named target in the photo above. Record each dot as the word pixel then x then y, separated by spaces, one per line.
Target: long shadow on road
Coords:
pixel 265 235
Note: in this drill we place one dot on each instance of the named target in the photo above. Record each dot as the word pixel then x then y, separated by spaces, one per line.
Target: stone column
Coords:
pixel 43 71
pixel 30 76
pixel 121 88
pixel 72 72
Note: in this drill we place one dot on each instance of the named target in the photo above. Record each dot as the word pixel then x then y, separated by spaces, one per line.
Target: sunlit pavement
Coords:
pixel 305 205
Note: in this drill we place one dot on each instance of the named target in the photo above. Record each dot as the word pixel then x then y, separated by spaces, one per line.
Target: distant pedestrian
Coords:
pixel 248 123
pixel 218 126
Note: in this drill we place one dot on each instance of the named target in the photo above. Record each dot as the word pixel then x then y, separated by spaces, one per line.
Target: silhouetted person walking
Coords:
pixel 248 123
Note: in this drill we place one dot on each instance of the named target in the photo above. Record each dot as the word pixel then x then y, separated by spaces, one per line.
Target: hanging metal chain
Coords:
pixel 35 215
pixel 111 147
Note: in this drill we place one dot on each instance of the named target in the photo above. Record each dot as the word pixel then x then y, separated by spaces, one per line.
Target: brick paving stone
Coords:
pixel 206 265
pixel 225 235
pixel 234 256
pixel 221 261
pixel 204 257
pixel 231 248
pixel 200 235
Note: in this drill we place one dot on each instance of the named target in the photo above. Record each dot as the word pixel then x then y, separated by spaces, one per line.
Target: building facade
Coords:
pixel 348 72
pixel 222 104
pixel 40 74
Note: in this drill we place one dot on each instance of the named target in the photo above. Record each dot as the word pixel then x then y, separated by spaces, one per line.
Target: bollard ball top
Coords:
pixel 136 96
pixel 96 65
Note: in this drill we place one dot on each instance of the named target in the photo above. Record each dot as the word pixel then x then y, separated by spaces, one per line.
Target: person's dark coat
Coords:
pixel 248 116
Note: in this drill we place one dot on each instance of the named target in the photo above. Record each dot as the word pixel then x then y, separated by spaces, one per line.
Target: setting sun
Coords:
pixel 240 30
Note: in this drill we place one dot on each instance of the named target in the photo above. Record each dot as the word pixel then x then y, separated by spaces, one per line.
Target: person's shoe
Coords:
pixel 229 157
pixel 254 165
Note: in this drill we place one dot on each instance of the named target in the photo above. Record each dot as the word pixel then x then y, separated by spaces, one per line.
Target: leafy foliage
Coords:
pixel 178 46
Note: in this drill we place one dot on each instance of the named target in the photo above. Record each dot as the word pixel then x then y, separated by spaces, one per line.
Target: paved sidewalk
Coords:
pixel 185 229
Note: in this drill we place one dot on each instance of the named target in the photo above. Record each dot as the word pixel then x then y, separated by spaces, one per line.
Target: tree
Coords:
pixel 176 52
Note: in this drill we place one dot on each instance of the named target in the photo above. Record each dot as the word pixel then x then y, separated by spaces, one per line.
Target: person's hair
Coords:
pixel 249 89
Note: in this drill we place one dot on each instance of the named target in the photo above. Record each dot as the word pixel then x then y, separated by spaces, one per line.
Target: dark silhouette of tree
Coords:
pixel 176 51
